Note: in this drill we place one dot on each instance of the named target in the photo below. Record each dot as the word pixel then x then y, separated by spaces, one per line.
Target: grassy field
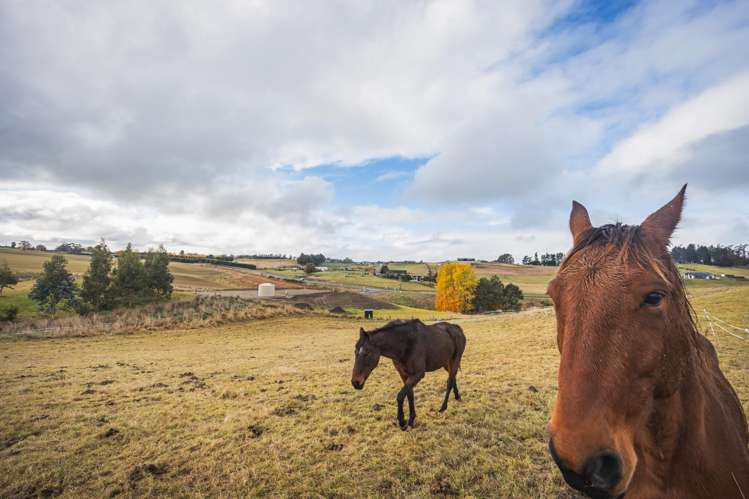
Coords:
pixel 354 278
pixel 532 279
pixel 28 262
pixel 18 297
pixel 742 271
pixel 266 408
pixel 268 263
pixel 187 276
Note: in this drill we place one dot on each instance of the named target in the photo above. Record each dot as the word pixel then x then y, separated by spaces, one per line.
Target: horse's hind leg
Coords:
pixel 454 373
pixel 450 382
pixel 455 390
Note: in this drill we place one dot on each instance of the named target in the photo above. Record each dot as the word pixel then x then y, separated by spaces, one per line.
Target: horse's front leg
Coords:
pixel 407 391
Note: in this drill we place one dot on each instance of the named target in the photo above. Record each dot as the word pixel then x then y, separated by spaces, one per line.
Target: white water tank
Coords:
pixel 266 290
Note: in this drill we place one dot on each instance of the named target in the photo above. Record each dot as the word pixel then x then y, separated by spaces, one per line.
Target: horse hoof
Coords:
pixel 443 409
pixel 404 427
pixel 411 423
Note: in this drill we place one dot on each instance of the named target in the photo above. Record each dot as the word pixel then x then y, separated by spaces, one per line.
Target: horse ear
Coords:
pixel 660 225
pixel 363 333
pixel 579 221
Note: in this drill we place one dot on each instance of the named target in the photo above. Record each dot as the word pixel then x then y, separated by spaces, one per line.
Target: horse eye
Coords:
pixel 653 299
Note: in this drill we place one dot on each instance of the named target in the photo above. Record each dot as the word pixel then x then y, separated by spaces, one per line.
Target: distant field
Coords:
pixel 32 261
pixel 187 276
pixel 355 278
pixel 267 263
pixel 532 279
pixel 265 408
pixel 742 271
pixel 414 268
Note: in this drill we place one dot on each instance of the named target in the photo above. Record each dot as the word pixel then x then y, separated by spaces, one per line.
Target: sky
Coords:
pixel 423 130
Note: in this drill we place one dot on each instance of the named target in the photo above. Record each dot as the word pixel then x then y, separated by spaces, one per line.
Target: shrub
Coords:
pixel 491 294
pixel 9 313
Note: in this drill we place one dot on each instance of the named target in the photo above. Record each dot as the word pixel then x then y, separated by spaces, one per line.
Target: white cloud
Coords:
pixel 391 175
pixel 180 123
pixel 663 143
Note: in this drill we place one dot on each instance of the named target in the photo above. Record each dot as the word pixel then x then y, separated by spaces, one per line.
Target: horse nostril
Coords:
pixel 603 471
pixel 356 384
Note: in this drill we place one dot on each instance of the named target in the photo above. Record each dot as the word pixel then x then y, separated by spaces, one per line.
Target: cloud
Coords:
pixel 665 142
pixel 719 162
pixel 392 175
pixel 199 127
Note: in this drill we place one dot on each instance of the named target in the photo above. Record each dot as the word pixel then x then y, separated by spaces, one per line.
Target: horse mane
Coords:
pixel 395 323
pixel 634 248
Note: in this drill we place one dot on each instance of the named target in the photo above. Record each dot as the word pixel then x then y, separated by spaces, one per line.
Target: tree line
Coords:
pixel 213 260
pixel 722 256
pixel 547 259
pixel 134 280
pixel 318 259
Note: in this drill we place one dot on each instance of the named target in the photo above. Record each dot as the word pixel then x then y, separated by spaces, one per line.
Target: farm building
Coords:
pixel 694 274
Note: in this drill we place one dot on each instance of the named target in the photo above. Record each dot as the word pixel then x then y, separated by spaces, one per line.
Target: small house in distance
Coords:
pixel 695 274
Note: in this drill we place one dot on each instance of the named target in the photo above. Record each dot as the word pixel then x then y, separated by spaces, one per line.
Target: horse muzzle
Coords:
pixel 357 384
pixel 601 473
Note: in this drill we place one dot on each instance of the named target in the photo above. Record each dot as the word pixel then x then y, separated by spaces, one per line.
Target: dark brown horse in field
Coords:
pixel 642 407
pixel 414 348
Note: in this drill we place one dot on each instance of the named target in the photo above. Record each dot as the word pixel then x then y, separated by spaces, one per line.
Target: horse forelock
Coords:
pixel 633 249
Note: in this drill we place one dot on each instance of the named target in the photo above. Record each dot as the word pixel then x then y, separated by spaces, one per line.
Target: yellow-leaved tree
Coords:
pixel 456 283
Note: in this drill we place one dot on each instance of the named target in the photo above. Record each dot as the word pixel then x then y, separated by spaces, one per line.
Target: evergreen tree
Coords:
pixel 97 281
pixel 505 258
pixel 7 278
pixel 129 285
pixel 512 297
pixel 158 278
pixel 56 286
pixel 489 294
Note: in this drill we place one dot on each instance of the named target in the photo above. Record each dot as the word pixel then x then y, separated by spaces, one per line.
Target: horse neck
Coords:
pixel 688 433
pixel 391 344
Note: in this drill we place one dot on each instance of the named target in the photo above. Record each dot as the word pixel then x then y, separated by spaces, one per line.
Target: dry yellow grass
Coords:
pixel 266 408
pixel 532 279
pixel 26 262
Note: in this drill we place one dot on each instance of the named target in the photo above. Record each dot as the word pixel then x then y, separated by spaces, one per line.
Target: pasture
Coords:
pixel 187 276
pixel 355 278
pixel 532 279
pixel 31 262
pixel 266 407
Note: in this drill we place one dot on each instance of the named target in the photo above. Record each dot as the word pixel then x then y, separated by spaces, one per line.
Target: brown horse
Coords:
pixel 414 348
pixel 642 407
